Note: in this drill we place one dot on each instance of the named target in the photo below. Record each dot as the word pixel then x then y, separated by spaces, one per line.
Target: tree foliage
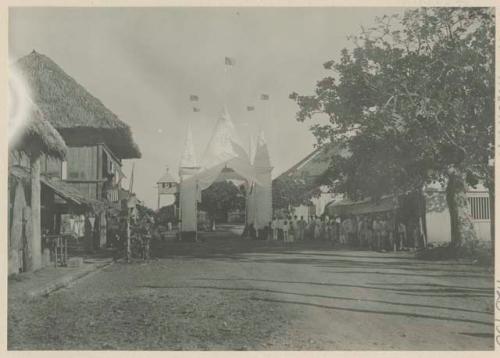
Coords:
pixel 413 102
pixel 289 190
pixel 222 197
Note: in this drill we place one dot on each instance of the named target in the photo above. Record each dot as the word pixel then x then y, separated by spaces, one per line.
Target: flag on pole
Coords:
pixel 264 97
pixel 194 98
pixel 196 109
pixel 229 61
pixel 250 108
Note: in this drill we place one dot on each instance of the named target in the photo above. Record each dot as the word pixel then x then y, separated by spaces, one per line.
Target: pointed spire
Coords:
pixel 188 159
pixel 167 177
pixel 226 117
pixel 224 144
pixel 253 147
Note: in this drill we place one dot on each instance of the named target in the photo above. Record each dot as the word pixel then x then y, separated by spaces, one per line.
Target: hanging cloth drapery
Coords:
pixel 225 150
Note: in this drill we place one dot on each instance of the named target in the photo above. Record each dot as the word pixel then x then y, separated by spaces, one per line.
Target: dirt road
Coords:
pixel 230 294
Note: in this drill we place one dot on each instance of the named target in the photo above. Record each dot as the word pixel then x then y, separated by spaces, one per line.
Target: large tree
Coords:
pixel 220 198
pixel 413 101
pixel 293 190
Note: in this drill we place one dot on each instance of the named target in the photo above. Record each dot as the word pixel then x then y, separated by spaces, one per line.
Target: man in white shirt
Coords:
pixel 274 228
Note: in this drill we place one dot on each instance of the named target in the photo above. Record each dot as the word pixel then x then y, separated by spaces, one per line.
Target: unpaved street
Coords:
pixel 230 294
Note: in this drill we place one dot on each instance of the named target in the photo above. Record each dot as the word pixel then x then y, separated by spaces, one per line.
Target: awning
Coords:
pixel 69 193
pixel 367 206
pixel 61 188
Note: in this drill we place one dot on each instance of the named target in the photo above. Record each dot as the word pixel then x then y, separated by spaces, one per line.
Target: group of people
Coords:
pixel 374 231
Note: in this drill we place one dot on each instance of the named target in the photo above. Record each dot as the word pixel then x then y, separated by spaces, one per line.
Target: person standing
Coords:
pixel 274 228
pixel 321 235
pixel 335 230
pixel 285 228
pixel 383 233
pixel 401 236
pixel 338 228
pixel 376 233
pixel 361 231
pixel 293 228
pixel 280 228
pixel 317 228
pixel 369 233
pixel 309 229
pixel 312 227
pixel 301 225
pixel 342 233
pixel 118 247
pixel 328 229
pixel 392 232
pixel 346 225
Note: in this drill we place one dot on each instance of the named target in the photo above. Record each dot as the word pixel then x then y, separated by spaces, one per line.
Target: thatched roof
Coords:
pixel 81 118
pixel 38 136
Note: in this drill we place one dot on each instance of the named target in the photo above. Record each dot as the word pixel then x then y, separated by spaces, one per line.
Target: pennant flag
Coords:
pixel 196 109
pixel 250 108
pixel 229 61
pixel 264 97
pixel 194 98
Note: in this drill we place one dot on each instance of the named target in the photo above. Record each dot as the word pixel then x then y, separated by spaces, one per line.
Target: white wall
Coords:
pixel 438 217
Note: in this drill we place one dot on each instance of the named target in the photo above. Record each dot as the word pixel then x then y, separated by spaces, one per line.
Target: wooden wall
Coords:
pixel 50 166
pixel 82 163
pixel 88 190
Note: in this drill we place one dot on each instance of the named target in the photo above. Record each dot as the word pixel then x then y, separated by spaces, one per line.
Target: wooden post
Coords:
pixel 129 253
pixel 35 241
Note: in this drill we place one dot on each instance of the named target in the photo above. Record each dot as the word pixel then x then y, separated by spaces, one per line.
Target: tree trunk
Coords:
pixel 462 230
pixel 491 192
pixel 490 184
pixel 35 241
pixel 128 243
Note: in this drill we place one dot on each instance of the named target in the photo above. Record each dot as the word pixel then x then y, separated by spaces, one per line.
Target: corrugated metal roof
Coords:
pixel 367 206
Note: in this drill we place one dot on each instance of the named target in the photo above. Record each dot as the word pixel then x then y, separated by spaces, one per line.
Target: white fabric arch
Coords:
pixel 225 150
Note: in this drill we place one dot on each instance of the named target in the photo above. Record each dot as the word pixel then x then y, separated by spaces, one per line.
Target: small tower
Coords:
pixel 166 185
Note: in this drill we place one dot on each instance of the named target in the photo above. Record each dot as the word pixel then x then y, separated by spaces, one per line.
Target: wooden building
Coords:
pixel 96 138
pixel 36 140
pixel 309 171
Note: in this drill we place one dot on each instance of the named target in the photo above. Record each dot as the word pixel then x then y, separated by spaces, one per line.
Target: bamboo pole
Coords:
pixel 35 241
pixel 129 253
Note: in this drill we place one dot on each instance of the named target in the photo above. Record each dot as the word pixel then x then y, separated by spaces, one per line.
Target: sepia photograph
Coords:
pixel 251 178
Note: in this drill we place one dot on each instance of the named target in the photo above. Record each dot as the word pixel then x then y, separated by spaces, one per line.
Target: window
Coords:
pixel 479 207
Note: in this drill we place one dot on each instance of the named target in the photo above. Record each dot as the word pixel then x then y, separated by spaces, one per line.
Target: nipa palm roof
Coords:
pixel 38 136
pixel 80 118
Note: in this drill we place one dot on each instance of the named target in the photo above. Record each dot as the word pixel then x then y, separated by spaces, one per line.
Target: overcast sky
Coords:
pixel 143 63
